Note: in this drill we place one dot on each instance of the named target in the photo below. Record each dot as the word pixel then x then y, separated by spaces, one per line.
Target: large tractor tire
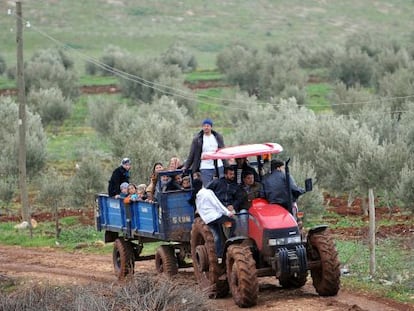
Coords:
pixel 123 258
pixel 326 275
pixel 165 260
pixel 289 281
pixel 242 276
pixel 208 272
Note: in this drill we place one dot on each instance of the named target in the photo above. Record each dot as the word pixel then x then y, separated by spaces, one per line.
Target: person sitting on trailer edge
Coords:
pixel 119 176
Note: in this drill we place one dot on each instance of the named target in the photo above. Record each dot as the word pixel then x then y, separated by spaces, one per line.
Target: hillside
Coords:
pixel 148 27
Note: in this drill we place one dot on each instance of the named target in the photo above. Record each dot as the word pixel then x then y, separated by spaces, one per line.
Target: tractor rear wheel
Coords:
pixel 242 276
pixel 206 269
pixel 326 275
pixel 123 258
pixel 165 260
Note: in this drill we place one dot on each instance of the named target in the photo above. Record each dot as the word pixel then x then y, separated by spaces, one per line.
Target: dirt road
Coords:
pixel 58 267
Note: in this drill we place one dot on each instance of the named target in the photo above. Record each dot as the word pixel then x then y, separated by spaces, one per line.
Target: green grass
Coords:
pixel 149 27
pixel 69 141
pixel 87 80
pixel 73 235
pixel 6 83
pixel 203 75
pixel 318 96
pixel 394 268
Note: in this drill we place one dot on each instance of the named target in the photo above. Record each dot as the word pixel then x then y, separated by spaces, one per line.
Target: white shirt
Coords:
pixel 209 206
pixel 209 145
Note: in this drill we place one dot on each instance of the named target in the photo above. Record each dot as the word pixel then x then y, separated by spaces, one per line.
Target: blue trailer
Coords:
pixel 169 218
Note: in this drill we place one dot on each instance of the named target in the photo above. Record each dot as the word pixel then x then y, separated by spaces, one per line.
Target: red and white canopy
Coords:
pixel 243 151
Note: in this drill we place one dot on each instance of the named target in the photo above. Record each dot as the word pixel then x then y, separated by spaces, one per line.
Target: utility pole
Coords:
pixel 22 117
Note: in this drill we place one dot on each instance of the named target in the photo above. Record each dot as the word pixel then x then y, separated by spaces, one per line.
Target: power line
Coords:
pixel 168 90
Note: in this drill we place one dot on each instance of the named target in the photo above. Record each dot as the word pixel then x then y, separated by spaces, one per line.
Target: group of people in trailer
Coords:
pixel 215 198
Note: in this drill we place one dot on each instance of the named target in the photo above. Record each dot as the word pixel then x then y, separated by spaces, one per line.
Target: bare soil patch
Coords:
pixel 52 265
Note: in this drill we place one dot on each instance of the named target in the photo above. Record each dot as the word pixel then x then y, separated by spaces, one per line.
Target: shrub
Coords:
pixel 348 100
pixel 143 293
pixel 11 73
pixel 311 202
pixel 178 55
pixel 111 59
pixel 3 66
pixel 9 140
pixel 240 65
pixel 150 133
pixel 50 104
pixel 398 87
pixel 280 77
pixel 352 68
pixel 405 186
pixel 8 187
pixel 150 79
pixel 91 68
pixel 87 181
pixel 101 113
pixel 46 69
pixel 53 194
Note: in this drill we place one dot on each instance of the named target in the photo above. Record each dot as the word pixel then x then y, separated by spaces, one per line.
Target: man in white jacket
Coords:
pixel 213 213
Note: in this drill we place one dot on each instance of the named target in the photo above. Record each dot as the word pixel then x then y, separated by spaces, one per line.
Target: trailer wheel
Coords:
pixel 242 276
pixel 123 258
pixel 326 275
pixel 290 281
pixel 206 269
pixel 165 260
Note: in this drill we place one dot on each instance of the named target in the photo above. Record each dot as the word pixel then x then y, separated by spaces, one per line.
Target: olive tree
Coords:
pixel 146 79
pixel 280 76
pixel 240 65
pixel 101 112
pixel 179 55
pixel 349 100
pixel 9 140
pixel 50 104
pixel 53 194
pixel 87 181
pixel 353 67
pixel 51 69
pixel 398 88
pixel 150 133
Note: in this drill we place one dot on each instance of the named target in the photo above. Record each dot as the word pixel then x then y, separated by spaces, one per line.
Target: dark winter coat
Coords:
pixel 228 192
pixel 275 189
pixel 119 175
pixel 194 158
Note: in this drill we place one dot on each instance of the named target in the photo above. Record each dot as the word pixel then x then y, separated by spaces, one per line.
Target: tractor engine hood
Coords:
pixel 270 223
pixel 271 216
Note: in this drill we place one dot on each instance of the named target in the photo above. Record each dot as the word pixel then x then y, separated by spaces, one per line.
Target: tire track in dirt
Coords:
pixel 75 268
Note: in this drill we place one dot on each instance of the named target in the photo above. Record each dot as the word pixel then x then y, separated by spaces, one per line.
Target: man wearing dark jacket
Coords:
pixel 207 140
pixel 228 192
pixel 275 186
pixel 119 175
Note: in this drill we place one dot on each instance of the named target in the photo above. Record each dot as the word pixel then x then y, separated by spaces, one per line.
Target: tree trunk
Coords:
pixel 372 265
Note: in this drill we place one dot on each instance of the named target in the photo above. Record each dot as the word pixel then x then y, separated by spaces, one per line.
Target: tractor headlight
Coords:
pixel 284 241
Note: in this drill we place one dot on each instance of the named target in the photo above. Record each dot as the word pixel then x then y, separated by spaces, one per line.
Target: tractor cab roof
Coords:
pixel 243 151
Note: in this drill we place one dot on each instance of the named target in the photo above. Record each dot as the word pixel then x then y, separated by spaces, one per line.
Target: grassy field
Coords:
pixel 148 27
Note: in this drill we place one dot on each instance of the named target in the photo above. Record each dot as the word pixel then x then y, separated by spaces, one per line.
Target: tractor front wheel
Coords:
pixel 242 276
pixel 326 274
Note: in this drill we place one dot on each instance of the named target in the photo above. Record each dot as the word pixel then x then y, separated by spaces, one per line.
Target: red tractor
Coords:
pixel 271 243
